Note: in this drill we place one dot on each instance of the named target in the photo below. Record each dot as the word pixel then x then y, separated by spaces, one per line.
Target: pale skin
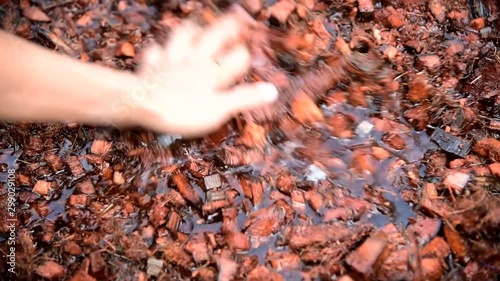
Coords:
pixel 185 88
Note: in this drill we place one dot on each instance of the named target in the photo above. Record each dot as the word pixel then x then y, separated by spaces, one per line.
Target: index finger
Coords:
pixel 223 32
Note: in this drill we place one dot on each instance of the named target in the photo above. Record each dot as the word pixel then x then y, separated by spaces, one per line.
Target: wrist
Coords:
pixel 132 108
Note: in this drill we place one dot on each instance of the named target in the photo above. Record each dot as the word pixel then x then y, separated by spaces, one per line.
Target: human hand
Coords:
pixel 192 94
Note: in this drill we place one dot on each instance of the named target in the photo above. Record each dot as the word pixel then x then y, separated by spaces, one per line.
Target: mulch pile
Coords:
pixel 380 161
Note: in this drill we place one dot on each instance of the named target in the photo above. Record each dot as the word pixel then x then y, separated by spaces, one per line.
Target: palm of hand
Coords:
pixel 185 88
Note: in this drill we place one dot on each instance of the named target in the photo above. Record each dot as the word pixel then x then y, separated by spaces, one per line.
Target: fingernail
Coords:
pixel 268 91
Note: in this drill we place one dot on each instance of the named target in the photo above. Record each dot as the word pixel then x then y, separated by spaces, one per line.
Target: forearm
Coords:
pixel 37 84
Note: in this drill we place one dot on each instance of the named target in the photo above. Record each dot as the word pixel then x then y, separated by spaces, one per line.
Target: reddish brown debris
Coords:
pixel 54 162
pixel 82 276
pixel 431 269
pixel 75 166
pixel 456 181
pixel 368 258
pixel 265 222
pixel 253 136
pixel 282 10
pixel 284 261
pixel 198 248
pixel 264 273
pixel 478 23
pixel 72 248
pixel 315 200
pixel 185 188
pixel 430 62
pixel 495 169
pixel 396 266
pixel 305 110
pixel 35 14
pixel 437 9
pixel 80 200
pixel 285 183
pixel 253 189
pixel 419 88
pixel 424 229
pixel 340 126
pixel 175 254
pixel 50 270
pixel 396 17
pixel 489 148
pixel 456 242
pixel 315 235
pixel 118 177
pixel 126 49
pixel 437 248
pixel 86 187
pixel 379 107
pixel 100 147
pixel 42 187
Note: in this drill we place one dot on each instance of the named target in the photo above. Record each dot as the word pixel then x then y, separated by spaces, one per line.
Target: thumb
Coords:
pixel 248 96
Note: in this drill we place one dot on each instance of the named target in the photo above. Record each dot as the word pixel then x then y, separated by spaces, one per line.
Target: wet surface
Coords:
pixel 374 165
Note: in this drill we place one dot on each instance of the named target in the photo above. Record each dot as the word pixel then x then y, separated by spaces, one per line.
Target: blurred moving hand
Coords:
pixel 192 94
pixel 186 88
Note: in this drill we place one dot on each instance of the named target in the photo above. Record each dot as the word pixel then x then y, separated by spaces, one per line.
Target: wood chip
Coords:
pixel 438 10
pixel 431 269
pixel 82 276
pixel 495 169
pixel 454 47
pixel 75 166
pixel 285 182
pixel 50 270
pixel 283 260
pixel 42 188
pixel 118 178
pixel 198 248
pixel 365 6
pixel 126 49
pixel 478 23
pixel 419 88
pixel 456 242
pixel 380 153
pixel 72 248
pixel 86 187
pixel 456 181
pixel 282 10
pixel 305 109
pixel 100 147
pixel 97 262
pixel 315 200
pixel 429 61
pixel 368 258
pixel 396 17
pixel 154 266
pixel 186 189
pixel 263 273
pixel 212 181
pixel 173 222
pixel 253 135
pixel 175 254
pixel 35 14
pixel 424 229
pixel 489 148
pixel 252 6
pixel 84 20
pixel 78 200
pixel 55 162
pixel 437 248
